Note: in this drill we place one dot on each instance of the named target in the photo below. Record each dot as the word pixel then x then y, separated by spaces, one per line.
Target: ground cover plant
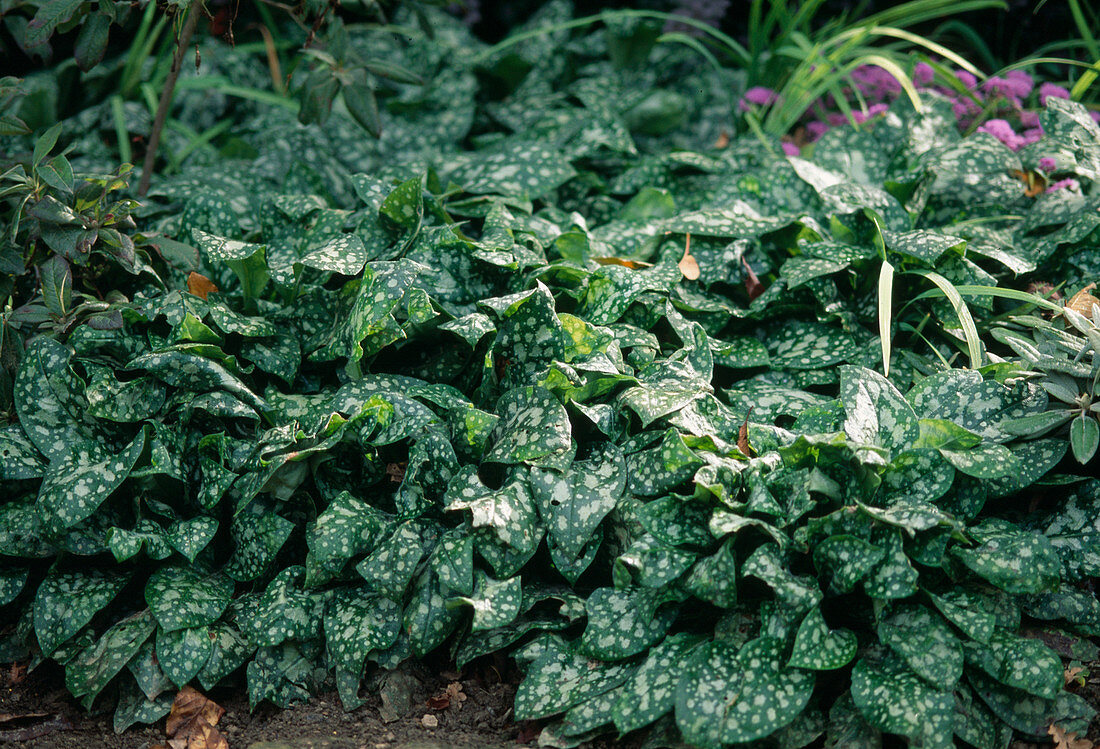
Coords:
pixel 728 443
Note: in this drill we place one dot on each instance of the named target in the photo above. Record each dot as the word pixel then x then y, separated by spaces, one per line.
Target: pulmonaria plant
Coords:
pixel 443 393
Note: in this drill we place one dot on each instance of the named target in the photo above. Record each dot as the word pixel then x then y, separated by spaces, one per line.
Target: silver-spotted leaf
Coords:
pixel 623 623
pixel 358 621
pixel 818 648
pixel 181 597
pixel 728 695
pixel 922 639
pixel 895 700
pixel 66 601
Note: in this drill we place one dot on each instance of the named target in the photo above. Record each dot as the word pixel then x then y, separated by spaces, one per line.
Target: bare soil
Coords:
pixel 445 710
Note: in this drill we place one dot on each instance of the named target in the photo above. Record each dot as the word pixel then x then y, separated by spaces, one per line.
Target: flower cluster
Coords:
pixel 1005 106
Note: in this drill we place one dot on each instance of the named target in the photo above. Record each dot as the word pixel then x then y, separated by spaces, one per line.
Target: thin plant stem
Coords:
pixel 166 95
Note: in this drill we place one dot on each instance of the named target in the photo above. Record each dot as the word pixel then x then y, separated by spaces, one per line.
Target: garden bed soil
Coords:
pixel 37 712
pixel 445 710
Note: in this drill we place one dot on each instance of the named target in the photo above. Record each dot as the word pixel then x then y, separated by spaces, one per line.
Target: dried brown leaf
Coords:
pixel 625 262
pixel 200 285
pixel 752 284
pixel 688 266
pixel 191 723
pixel 1067 740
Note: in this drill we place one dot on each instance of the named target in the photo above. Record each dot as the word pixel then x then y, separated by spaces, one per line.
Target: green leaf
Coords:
pixel 895 700
pixel 877 412
pixel 924 641
pixel 182 653
pixel 728 695
pixel 257 537
pixel 496 603
pixel 91 44
pixel 527 169
pixel 428 619
pixel 560 679
pixel 56 279
pixel 284 612
pixel 818 648
pixel 1071 529
pixel 93 668
pixel 803 345
pixel 623 623
pixel 345 529
pixel 358 621
pixel 986 461
pixel 1084 437
pixel 574 503
pixel 650 692
pixel 405 205
pixel 76 485
pixel 508 512
pixel 345 254
pixel 67 601
pixel 181 597
pixel 49 400
pixel 846 560
pixel 392 564
pixel 1014 560
pixel 1018 662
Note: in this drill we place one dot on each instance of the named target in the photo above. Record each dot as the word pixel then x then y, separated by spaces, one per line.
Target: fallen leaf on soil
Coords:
pixel 17 672
pixel 33 731
pixel 200 285
pixel 1070 674
pixel 191 723
pixel 1064 740
pixel 454 691
pixel 430 721
pixel 7 717
pixel 439 702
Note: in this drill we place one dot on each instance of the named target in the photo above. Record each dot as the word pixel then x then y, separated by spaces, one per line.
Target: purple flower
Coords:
pixel 790 149
pixel 836 119
pixel 966 79
pixel 997 86
pixel 1031 135
pixel 923 74
pixel 1095 115
pixel 1021 83
pixel 1062 184
pixel 872 111
pixel 965 110
pixel 758 95
pixel 1048 90
pixel 1029 118
pixel 1047 164
pixel 816 129
pixel 1002 131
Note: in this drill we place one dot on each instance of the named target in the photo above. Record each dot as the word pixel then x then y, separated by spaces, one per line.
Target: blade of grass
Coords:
pixel 954 297
pixel 731 44
pixel 885 305
pixel 125 153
